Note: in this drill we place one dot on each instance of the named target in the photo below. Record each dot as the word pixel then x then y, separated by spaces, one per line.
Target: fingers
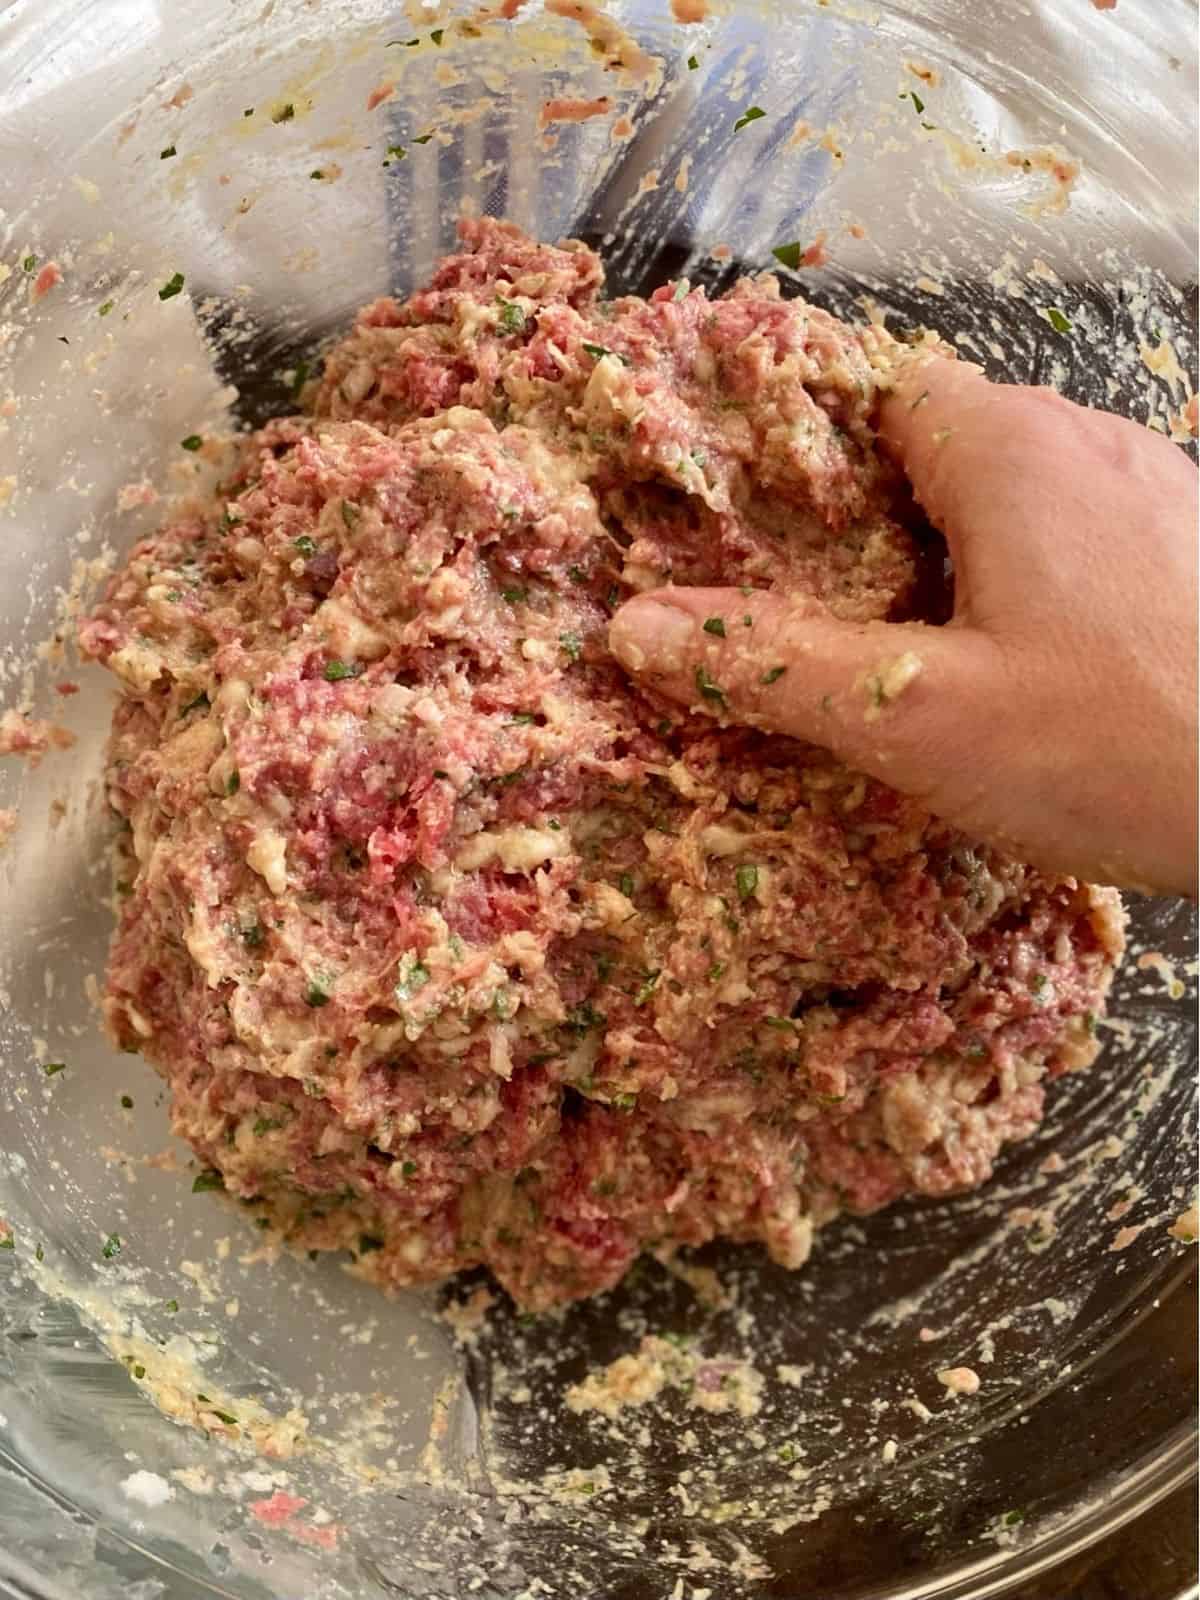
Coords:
pixel 1037 497
pixel 890 699
pixel 919 417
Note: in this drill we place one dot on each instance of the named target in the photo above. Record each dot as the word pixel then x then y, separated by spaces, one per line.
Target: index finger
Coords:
pixel 938 403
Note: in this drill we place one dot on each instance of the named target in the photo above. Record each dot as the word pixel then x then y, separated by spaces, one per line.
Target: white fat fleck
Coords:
pixel 517 849
pixel 347 634
pixel 267 855
pixel 718 839
pixel 792 1376
pixel 138 665
pixel 889 681
pixel 147 1488
pixel 959 1380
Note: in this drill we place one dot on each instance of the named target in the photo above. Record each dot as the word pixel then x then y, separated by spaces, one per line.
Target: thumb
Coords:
pixel 894 700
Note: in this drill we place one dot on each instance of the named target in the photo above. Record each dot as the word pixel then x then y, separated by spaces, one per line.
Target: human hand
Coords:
pixel 1055 715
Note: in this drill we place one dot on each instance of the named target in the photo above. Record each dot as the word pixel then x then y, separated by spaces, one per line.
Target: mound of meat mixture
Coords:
pixel 454 945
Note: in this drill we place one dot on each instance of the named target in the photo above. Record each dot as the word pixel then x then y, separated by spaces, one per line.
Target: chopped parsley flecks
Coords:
pixel 104 307
pixel 335 671
pixel 647 988
pixel 512 317
pixel 918 104
pixel 1057 319
pixel 751 114
pixel 29 263
pixel 710 690
pixel 715 625
pixel 789 255
pixel 693 63
pixel 285 113
pixel 192 442
pixel 583 1018
pixel 773 676
pixel 599 351
pixel 626 885
pixel 504 1005
pixel 165 155
pixel 514 596
pixel 111 1246
pixel 394 152
pixel 172 287
pixel 572 645
pixel 368 1242
pixel 53 1068
pixel 126 1102
pixel 746 879
pixel 318 993
pixel 412 983
pixel 306 546
pixel 350 513
pixel 209 1179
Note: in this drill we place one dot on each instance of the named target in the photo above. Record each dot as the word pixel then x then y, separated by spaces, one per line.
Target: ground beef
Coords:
pixel 454 945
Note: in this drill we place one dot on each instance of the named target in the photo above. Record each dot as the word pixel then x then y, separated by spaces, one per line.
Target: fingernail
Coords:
pixel 646 635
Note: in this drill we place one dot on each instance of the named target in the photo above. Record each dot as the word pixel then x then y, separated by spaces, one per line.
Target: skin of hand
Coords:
pixel 1056 714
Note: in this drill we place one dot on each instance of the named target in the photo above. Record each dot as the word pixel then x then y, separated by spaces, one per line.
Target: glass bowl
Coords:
pixel 1022 177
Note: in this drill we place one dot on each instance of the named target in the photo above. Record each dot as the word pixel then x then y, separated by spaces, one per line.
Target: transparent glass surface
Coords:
pixel 430 1465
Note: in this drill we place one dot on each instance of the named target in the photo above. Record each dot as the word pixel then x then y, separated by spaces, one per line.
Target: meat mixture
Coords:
pixel 454 945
